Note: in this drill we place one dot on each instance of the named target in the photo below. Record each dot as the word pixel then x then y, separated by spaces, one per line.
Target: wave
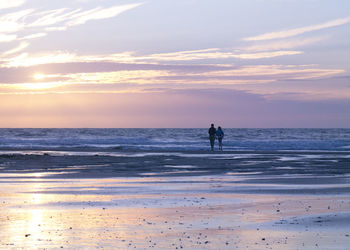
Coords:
pixel 174 139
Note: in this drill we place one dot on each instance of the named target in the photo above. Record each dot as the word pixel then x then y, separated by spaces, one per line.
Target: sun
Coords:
pixel 39 76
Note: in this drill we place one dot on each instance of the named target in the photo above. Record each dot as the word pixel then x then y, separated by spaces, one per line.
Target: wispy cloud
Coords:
pixel 298 31
pixel 40 22
pixel 14 22
pixel 269 54
pixel 212 54
pixel 7 38
pixel 103 72
pixel 284 44
pixel 276 72
pixel 19 48
pixel 62 18
pixel 11 4
pixel 100 13
pixel 52 17
pixel 33 36
pixel 202 67
pixel 26 60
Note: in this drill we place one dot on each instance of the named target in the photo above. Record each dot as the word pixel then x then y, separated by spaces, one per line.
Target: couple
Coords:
pixel 213 133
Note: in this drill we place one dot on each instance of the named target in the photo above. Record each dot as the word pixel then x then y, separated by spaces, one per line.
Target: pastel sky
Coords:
pixel 175 63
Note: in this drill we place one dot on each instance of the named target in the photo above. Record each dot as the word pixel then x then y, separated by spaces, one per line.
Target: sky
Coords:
pixel 183 63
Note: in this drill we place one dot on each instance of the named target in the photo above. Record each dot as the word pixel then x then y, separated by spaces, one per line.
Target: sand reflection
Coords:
pixel 199 212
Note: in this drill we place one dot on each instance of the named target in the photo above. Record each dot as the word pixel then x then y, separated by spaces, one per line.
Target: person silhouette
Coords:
pixel 212 135
pixel 220 136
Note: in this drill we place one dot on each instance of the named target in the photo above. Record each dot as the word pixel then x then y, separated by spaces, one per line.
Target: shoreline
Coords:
pixel 104 164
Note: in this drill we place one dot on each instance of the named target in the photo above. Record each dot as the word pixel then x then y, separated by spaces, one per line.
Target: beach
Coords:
pixel 142 196
pixel 174 200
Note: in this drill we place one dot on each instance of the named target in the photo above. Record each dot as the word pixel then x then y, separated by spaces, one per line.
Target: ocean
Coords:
pixel 173 139
pixel 165 189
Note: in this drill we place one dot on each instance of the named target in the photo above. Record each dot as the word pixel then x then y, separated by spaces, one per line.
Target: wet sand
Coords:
pixel 79 163
pixel 175 200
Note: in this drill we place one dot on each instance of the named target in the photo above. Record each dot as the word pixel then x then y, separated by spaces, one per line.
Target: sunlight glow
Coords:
pixel 38 86
pixel 39 76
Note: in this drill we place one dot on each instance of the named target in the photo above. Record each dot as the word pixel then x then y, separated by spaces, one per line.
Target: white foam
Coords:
pixel 180 166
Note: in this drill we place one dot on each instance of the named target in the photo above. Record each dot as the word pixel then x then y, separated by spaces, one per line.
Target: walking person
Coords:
pixel 212 135
pixel 220 136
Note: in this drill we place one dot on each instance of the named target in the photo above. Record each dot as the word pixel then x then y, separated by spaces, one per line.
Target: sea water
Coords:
pixel 174 139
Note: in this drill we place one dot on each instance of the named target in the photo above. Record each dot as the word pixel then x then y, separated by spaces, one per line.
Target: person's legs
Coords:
pixel 220 143
pixel 212 139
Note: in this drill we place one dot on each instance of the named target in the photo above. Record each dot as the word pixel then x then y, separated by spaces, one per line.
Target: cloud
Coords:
pixel 33 36
pixel 100 13
pixel 298 31
pixel 214 53
pixel 52 17
pixel 25 60
pixel 7 38
pixel 275 72
pixel 60 19
pixel 52 20
pixel 269 54
pixel 283 44
pixel 20 47
pixel 14 22
pixel 11 4
pixel 150 74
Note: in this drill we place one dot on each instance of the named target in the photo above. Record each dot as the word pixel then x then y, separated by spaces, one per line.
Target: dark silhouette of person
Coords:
pixel 220 136
pixel 212 135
